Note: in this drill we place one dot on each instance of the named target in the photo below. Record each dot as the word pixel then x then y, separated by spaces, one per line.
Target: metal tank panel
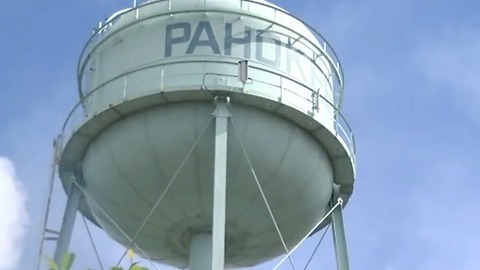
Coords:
pixel 129 165
pixel 148 50
pixel 147 78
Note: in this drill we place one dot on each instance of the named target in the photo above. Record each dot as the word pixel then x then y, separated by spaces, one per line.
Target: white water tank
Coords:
pixel 148 77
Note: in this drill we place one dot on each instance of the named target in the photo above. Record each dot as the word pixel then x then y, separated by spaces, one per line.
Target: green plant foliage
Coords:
pixel 67 262
pixel 51 264
pixel 132 267
pixel 136 267
pixel 69 258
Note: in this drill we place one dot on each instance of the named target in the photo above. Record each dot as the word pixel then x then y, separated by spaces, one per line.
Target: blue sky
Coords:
pixel 412 97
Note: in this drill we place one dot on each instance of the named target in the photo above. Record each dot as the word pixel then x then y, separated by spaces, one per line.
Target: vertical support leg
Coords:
pixel 220 183
pixel 207 251
pixel 68 222
pixel 339 232
pixel 201 252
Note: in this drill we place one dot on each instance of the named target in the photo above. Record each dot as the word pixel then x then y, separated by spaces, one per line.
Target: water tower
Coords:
pixel 208 134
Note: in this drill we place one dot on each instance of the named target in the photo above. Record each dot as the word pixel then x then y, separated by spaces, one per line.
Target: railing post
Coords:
pixel 125 81
pixel 315 102
pixel 162 71
pixel 94 101
pixel 281 89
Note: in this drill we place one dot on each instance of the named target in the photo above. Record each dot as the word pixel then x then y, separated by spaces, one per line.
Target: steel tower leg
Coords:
pixel 220 183
pixel 201 252
pixel 339 238
pixel 207 251
pixel 68 222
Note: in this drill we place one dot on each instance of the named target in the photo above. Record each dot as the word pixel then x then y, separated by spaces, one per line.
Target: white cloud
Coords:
pixel 13 216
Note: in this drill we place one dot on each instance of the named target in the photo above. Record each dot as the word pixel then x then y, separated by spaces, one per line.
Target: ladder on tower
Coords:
pixel 47 234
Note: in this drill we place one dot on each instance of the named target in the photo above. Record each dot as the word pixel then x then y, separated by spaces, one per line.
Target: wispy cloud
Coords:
pixel 13 216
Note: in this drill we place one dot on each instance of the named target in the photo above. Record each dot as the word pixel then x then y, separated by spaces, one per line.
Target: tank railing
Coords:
pixel 78 116
pixel 341 126
pixel 326 45
pixel 185 59
pixel 280 86
pixel 312 59
pixel 315 55
pixel 326 50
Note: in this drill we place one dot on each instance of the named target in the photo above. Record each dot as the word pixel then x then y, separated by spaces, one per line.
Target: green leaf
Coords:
pixel 116 268
pixel 67 261
pixel 51 264
pixel 136 267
